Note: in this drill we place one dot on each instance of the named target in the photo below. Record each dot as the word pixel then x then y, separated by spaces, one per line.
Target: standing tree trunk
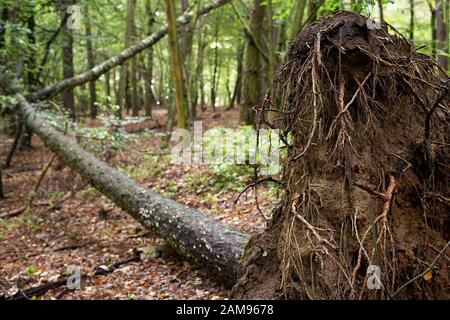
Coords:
pixel 380 9
pixel 297 23
pixel 313 9
pixel 253 77
pixel 177 68
pixel 236 98
pixel 91 64
pixel 124 70
pixel 198 74
pixel 271 40
pixel 216 62
pixel 411 20
pixel 67 58
pixel 432 27
pixel 31 70
pixel 3 21
pixel 186 40
pixel 148 69
pixel 441 34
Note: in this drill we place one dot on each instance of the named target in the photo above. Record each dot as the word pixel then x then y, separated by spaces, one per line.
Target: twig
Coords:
pixel 254 184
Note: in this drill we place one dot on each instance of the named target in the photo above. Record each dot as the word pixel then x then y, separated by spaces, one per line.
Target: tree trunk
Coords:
pixel 67 58
pixel 441 34
pixel 252 80
pixel 148 72
pixel 186 40
pixel 124 70
pixel 193 234
pixel 31 70
pixel 297 23
pixel 433 28
pixel 4 20
pixel 236 98
pixel 411 20
pixel 380 9
pixel 91 64
pixel 313 9
pixel 216 63
pixel 181 103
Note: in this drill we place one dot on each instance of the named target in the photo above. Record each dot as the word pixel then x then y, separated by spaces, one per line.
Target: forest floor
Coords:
pixel 89 231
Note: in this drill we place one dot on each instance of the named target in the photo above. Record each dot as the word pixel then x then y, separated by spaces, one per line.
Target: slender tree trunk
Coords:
pixel 271 39
pixel 177 68
pixel 297 23
pixel 31 70
pixel 186 41
pixel 148 72
pixel 380 9
pixel 91 63
pixel 67 58
pixel 108 85
pixel 3 21
pixel 124 70
pixel 195 84
pixel 253 82
pixel 442 34
pixel 411 20
pixel 313 9
pixel 13 148
pixel 216 62
pixel 236 98
pixel 432 27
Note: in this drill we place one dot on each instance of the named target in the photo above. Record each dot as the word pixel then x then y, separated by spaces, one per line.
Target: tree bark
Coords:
pixel 441 34
pixel 67 58
pixel 411 20
pixel 193 234
pixel 433 28
pixel 381 10
pixel 216 63
pixel 236 98
pixel 148 72
pixel 181 103
pixel 112 62
pixel 252 80
pixel 297 23
pixel 124 69
pixel 91 64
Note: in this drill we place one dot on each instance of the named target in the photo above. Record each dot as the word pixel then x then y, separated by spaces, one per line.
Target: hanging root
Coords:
pixel 366 174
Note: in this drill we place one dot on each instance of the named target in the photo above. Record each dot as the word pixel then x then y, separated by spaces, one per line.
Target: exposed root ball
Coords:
pixel 366 176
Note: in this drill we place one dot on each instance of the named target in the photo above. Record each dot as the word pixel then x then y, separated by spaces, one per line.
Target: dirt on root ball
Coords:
pixel 365 213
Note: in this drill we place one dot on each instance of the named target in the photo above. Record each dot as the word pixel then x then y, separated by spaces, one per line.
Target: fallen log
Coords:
pixel 194 235
pixel 97 71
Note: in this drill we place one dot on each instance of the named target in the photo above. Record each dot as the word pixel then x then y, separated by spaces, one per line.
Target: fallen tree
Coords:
pixel 193 234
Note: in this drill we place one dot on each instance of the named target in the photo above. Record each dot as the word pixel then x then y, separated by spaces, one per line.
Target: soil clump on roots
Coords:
pixel 366 176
